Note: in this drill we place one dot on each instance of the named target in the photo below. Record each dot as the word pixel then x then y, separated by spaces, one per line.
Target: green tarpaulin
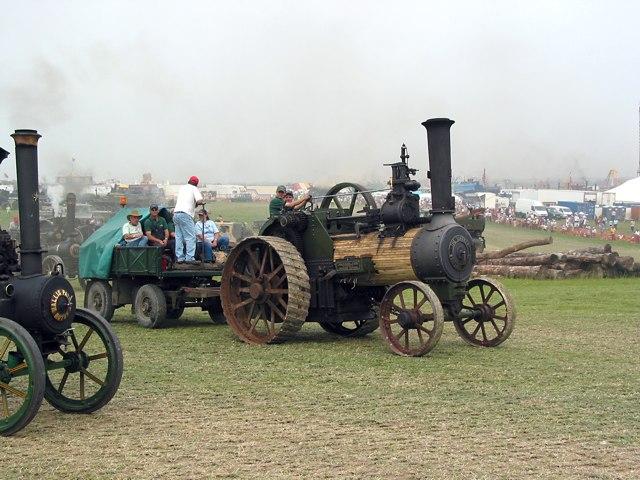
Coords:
pixel 97 250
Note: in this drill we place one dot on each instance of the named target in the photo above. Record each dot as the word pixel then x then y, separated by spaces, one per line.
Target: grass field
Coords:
pixel 560 399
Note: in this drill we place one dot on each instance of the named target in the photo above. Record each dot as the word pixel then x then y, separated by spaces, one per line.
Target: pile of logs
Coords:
pixel 597 262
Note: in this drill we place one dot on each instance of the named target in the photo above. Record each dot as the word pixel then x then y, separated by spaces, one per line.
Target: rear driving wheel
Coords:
pixel 265 290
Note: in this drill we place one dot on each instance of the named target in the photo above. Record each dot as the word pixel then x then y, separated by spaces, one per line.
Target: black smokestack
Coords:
pixel 70 219
pixel 28 200
pixel 439 142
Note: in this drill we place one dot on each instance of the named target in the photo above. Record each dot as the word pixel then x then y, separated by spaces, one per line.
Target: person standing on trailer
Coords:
pixel 188 198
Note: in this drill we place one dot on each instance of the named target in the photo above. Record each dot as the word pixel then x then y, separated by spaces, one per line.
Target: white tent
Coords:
pixel 628 191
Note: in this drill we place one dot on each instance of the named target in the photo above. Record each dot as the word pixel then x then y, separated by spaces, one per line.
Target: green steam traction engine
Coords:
pixel 49 348
pixel 352 267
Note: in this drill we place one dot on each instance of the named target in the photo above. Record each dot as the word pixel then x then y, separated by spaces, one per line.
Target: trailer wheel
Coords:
pixel 174 313
pixel 215 312
pixel 98 297
pixel 22 377
pixel 150 306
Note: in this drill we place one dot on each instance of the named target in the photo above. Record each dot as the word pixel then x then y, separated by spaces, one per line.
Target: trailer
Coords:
pixel 144 278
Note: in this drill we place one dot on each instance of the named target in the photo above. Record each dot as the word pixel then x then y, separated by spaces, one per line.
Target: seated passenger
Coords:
pixel 207 229
pixel 291 204
pixel 156 229
pixel 132 235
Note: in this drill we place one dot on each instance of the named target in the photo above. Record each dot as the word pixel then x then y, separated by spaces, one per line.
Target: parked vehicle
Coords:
pixel 558 212
pixel 525 206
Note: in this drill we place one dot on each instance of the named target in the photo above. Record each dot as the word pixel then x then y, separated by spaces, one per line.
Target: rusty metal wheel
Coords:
pixel 265 290
pixel 411 318
pixel 488 313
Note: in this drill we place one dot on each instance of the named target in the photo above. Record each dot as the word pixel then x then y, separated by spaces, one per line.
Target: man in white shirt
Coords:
pixel 132 235
pixel 188 198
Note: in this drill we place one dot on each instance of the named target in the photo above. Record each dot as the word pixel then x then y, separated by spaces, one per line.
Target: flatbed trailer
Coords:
pixel 146 279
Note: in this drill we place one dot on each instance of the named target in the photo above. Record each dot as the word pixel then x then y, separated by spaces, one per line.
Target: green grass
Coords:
pixel 559 399
pixel 239 211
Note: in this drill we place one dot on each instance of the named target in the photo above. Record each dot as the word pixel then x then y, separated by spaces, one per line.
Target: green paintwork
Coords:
pixel 318 245
pixel 136 260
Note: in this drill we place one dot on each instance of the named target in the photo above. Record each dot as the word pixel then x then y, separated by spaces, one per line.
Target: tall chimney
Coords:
pixel 70 219
pixel 439 144
pixel 28 200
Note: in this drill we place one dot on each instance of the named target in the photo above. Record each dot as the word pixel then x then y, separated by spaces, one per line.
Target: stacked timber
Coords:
pixel 598 262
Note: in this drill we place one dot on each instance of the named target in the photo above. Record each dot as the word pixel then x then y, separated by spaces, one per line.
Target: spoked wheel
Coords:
pixel 85 374
pixel 348 198
pixel 411 318
pixel 50 264
pixel 265 290
pixel 355 328
pixel 22 377
pixel 98 297
pixel 488 313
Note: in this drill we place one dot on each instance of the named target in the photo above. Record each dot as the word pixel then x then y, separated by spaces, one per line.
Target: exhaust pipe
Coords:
pixel 28 200
pixel 439 145
pixel 70 219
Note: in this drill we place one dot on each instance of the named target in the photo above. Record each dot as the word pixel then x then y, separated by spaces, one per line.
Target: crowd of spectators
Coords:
pixel 577 224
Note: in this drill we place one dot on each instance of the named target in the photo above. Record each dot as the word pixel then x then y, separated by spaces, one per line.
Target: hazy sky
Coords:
pixel 283 90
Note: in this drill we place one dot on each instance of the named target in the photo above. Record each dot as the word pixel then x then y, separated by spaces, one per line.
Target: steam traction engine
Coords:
pixel 352 267
pixel 49 348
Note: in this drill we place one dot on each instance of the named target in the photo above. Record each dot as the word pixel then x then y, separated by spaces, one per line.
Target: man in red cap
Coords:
pixel 188 198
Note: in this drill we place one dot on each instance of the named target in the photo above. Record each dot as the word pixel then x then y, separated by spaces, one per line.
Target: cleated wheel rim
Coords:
pixel 85 375
pixel 411 319
pixel 22 379
pixel 265 290
pixel 494 313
